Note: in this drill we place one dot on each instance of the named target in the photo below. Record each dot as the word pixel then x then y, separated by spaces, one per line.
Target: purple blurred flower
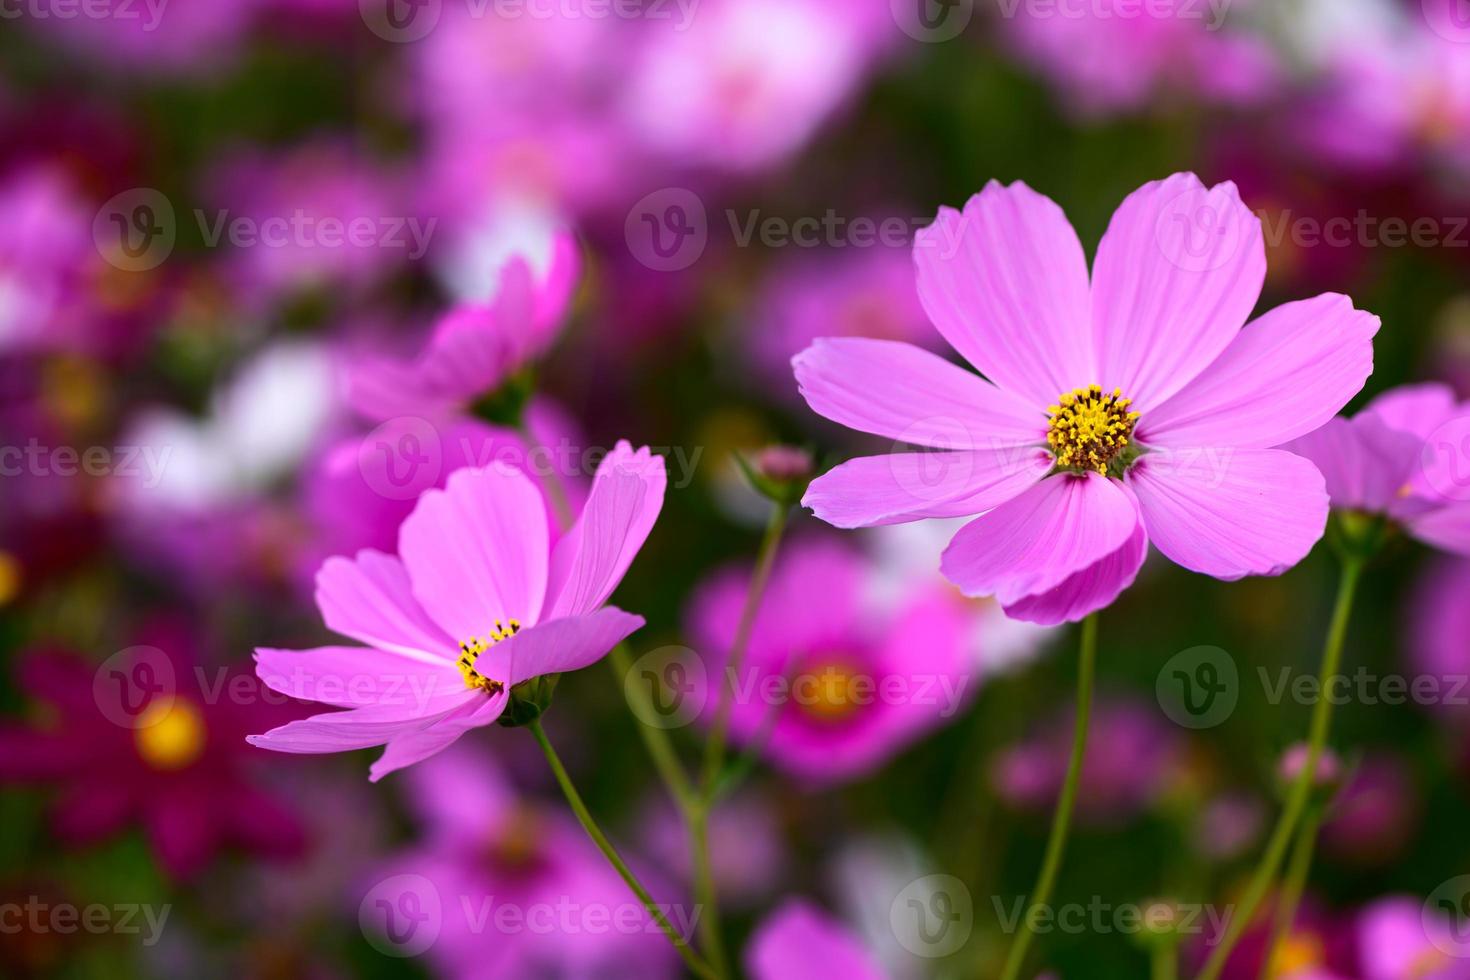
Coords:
pixel 49 266
pixel 1438 624
pixel 745 846
pixel 841 686
pixel 1373 818
pixel 1399 940
pixel 798 941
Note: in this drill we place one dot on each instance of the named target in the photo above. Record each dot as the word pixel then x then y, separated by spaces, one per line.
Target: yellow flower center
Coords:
pixel 469 655
pixel 826 691
pixel 1298 952
pixel 10 577
pixel 1088 429
pixel 170 736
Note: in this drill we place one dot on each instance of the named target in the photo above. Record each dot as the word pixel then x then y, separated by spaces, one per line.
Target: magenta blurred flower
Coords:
pixel 176 764
pixel 49 266
pixel 1438 623
pixel 1399 458
pixel 476 602
pixel 840 685
pixel 156 37
pixel 746 848
pixel 798 941
pixel 1375 815
pixel 522 890
pixel 1399 939
pixel 1131 755
pixel 476 347
pixel 1163 411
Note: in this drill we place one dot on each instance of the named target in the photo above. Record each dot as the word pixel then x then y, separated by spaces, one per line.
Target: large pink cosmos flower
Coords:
pixel 1401 457
pixel 477 601
pixel 1130 408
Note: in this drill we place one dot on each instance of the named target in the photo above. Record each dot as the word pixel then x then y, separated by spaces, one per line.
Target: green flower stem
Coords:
pixel 1301 790
pixel 691 958
pixel 1292 886
pixel 1056 845
pixel 656 740
pixel 1166 962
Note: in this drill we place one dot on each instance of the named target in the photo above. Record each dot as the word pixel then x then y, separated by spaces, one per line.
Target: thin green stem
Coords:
pixel 1056 845
pixel 1166 962
pixel 690 957
pixel 1292 886
pixel 1296 803
pixel 656 740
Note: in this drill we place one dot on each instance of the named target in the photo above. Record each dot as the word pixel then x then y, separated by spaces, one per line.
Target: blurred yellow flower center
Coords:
pixel 1088 428
pixel 1297 953
pixel 9 577
pixel 826 691
pixel 469 655
pixel 170 735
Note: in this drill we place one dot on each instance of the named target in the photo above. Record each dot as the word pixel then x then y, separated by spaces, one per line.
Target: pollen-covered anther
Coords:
pixel 469 656
pixel 1089 428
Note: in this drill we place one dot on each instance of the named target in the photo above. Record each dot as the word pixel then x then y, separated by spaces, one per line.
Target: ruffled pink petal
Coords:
pixel 903 392
pixel 1417 409
pixel 1038 540
pixel 1283 376
pixel 1177 274
pixel 1232 512
pixel 355 677
pixel 1364 464
pixel 418 746
pixel 360 728
pixel 476 551
pixel 799 942
pixel 1446 528
pixel 589 562
pixel 1084 592
pixel 371 599
pixel 902 487
pixel 560 645
pixel 1006 284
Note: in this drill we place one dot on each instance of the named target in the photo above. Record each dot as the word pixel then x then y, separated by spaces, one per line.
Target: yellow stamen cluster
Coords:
pixel 469 655
pixel 1088 429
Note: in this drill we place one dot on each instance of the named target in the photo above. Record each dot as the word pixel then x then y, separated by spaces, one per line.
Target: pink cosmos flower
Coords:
pixel 799 941
pixel 1438 623
pixel 477 601
pixel 1398 939
pixel 486 848
pixel 1399 458
pixel 476 347
pixel 1130 408
pixel 843 684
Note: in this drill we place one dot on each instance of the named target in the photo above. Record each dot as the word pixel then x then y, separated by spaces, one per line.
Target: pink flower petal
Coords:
pixel 1447 528
pixel 1283 376
pixel 799 941
pixel 371 599
pixel 1176 276
pixel 1417 409
pixel 476 551
pixel 354 677
pixel 1093 588
pixel 589 562
pixel 360 728
pixel 1006 284
pixel 1364 463
pixel 1232 512
pixel 902 487
pixel 418 746
pixel 1037 541
pixel 903 392
pixel 561 644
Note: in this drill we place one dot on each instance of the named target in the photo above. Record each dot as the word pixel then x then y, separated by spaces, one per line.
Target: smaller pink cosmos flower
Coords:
pixel 1399 939
pixel 1438 623
pixel 843 684
pixel 1136 405
pixel 477 601
pixel 476 347
pixel 1399 458
pixel 799 941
